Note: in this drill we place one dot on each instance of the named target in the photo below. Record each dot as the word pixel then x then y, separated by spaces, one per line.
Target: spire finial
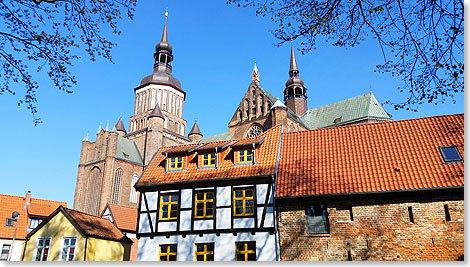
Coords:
pixel 255 74
pixel 99 129
pixel 166 13
pixel 107 126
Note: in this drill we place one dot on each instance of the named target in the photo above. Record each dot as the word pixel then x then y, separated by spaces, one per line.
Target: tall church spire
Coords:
pixel 255 75
pixel 293 70
pixel 295 94
pixel 164 51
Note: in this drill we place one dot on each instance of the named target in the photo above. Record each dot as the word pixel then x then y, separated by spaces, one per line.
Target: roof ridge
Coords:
pixel 375 123
pixel 343 100
pixel 86 214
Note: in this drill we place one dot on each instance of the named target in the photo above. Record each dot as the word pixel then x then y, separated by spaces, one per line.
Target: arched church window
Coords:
pixel 116 187
pixel 290 93
pixel 298 91
pixel 95 181
pixel 133 196
pixel 261 104
pixel 240 114
pixel 247 108
pixel 254 130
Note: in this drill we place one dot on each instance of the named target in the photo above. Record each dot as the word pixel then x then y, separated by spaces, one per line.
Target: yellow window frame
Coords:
pixel 205 252
pixel 245 251
pixel 170 204
pixel 204 201
pixel 244 199
pixel 175 163
pixel 207 160
pixel 245 156
pixel 166 253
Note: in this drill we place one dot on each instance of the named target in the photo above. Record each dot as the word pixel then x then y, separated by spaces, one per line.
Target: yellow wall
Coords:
pixel 56 228
pixel 106 250
pixel 97 249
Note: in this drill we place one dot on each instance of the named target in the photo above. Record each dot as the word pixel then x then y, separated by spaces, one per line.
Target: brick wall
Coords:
pixel 380 229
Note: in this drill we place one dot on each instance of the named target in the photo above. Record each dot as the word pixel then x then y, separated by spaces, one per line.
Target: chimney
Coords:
pixel 27 200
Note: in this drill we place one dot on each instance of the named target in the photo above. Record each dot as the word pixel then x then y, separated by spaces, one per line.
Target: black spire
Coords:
pixel 295 88
pixel 120 126
pixel 164 51
pixel 195 129
pixel 156 112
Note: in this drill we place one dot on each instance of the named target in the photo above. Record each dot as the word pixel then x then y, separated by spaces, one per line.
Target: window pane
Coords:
pixel 249 210
pixel 165 208
pixel 165 198
pixel 165 214
pixel 73 241
pixel 41 242
pixel 210 257
pixel 64 254
pixel 199 196
pixel 162 258
pixel 172 166
pixel 174 207
pixel 251 245
pixel 200 206
pixel 248 158
pixel 179 165
pixel 199 247
pixel 172 248
pixel 240 257
pixel 239 211
pixel 249 203
pixel 173 214
pixel 210 195
pixel 209 212
pixel 200 257
pixel 249 193
pixel 199 212
pixel 206 156
pixel 46 242
pixel 164 249
pixel 239 203
pixel 252 257
pixel 240 246
pixel 450 153
pixel 66 241
pixel 210 247
pixel 174 198
pixel 172 257
pixel 209 205
pixel 238 193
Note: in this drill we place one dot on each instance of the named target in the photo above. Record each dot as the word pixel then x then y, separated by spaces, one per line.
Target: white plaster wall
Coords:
pixel 224 196
pixel 185 220
pixel 203 224
pixel 17 248
pixel 186 198
pixel 223 218
pixel 166 226
pixel 224 249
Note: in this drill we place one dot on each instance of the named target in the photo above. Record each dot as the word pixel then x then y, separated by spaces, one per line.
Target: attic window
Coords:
pixel 125 155
pixel 337 120
pixel 9 222
pixel 450 154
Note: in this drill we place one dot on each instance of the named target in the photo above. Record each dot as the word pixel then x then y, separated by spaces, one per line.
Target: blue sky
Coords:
pixel 214 46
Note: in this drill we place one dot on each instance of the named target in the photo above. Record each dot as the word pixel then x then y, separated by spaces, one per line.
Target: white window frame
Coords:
pixel 36 248
pixel 9 251
pixel 62 247
pixel 30 223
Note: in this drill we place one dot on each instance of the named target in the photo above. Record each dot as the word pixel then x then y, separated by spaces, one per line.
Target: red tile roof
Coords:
pixel 266 159
pixel 386 156
pixel 9 204
pixel 124 217
pixel 87 224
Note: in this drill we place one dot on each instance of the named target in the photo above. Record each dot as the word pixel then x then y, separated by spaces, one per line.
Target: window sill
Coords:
pixel 318 235
pixel 179 170
pixel 207 167
pixel 245 164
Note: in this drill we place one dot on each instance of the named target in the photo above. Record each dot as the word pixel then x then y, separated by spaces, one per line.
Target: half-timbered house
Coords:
pixel 210 201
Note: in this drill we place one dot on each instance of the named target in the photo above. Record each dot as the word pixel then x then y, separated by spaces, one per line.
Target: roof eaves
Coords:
pixel 371 192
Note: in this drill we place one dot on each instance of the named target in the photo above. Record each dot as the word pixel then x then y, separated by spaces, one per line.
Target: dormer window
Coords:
pixel 208 160
pixel 175 163
pixel 245 156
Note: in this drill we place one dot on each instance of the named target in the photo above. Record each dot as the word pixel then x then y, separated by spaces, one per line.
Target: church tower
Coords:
pixel 295 94
pixel 163 90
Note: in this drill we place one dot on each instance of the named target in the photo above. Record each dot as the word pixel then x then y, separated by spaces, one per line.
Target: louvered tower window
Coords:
pixel 116 186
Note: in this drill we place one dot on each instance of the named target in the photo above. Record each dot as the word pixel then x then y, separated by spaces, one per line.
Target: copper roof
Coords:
pixel 266 161
pixel 9 204
pixel 376 157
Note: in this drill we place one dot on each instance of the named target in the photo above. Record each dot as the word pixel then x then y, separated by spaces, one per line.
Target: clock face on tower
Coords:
pixel 254 130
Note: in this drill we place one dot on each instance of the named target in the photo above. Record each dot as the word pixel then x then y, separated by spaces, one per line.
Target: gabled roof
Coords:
pixel 125 218
pixel 361 107
pixel 266 160
pixel 87 224
pixel 127 150
pixel 375 157
pixel 9 204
